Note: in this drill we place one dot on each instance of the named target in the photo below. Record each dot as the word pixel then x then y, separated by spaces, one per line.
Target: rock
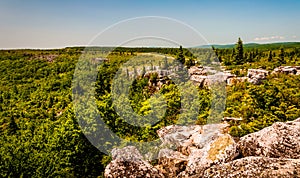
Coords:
pixel 255 76
pixel 128 162
pixel 100 59
pixel 171 162
pixel 195 70
pixel 200 80
pixel 178 136
pixel 255 167
pixel 204 76
pixel 208 151
pixel 281 140
pixel 197 148
pixel 235 80
pixel 219 150
pixel 235 119
pixel 293 70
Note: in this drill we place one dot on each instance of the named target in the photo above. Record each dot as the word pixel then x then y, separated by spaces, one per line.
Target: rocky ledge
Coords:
pixel 208 151
pixel 204 76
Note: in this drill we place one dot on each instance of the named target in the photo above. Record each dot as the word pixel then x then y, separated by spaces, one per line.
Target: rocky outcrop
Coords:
pixel 293 70
pixel 281 140
pixel 208 151
pixel 128 162
pixel 196 148
pixel 255 76
pixel 255 167
pixel 204 76
pixel 218 151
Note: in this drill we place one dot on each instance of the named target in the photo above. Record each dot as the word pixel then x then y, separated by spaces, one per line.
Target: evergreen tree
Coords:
pixel 180 55
pixel 12 126
pixel 233 54
pixel 281 56
pixel 270 57
pixel 239 57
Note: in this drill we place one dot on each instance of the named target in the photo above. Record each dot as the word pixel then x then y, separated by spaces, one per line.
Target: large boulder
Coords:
pixel 222 148
pixel 281 140
pixel 196 148
pixel 128 162
pixel 204 76
pixel 255 167
pixel 179 137
pixel 255 76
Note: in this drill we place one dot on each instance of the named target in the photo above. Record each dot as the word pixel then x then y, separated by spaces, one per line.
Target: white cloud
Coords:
pixel 270 38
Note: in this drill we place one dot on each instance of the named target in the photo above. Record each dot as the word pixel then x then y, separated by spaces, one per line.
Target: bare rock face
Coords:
pixel 171 162
pixel 179 136
pixel 128 162
pixel 281 140
pixel 219 150
pixel 204 76
pixel 256 167
pixel 255 76
pixel 293 70
pixel 197 148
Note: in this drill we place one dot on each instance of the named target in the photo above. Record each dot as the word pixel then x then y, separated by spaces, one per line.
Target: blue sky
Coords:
pixel 53 24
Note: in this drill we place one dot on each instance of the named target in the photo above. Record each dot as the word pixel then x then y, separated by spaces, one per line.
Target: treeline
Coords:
pixel 240 58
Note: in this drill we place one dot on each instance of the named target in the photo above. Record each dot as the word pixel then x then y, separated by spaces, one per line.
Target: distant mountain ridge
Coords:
pixel 255 45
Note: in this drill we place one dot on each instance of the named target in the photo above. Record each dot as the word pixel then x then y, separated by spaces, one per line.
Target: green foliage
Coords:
pixel 262 105
pixel 239 56
pixel 40 136
pixel 180 56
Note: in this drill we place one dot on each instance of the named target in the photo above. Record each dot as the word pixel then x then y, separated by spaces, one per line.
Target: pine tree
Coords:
pixel 270 57
pixel 12 126
pixel 239 57
pixel 181 56
pixel 281 56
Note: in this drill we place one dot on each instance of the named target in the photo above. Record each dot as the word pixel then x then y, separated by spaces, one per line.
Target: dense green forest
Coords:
pixel 40 135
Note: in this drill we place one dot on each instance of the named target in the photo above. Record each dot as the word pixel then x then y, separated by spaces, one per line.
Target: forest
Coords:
pixel 40 134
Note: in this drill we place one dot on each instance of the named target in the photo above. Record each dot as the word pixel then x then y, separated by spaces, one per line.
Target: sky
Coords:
pixel 62 23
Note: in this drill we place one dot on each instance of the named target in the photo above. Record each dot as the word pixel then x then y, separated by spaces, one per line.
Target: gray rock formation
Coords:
pixel 281 140
pixel 293 70
pixel 171 162
pixel 216 148
pixel 204 76
pixel 208 151
pixel 128 162
pixel 255 76
pixel 196 148
pixel 255 167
